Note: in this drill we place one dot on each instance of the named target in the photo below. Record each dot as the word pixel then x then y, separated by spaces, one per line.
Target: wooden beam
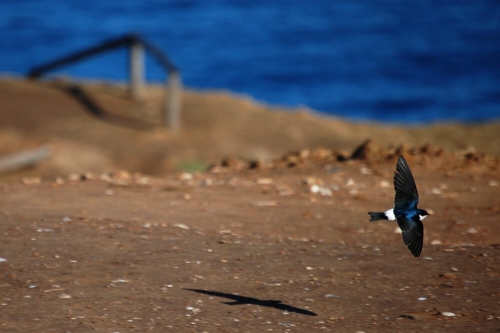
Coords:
pixel 23 159
pixel 172 107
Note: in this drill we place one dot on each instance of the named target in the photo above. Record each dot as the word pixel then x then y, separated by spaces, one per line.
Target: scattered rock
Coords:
pixel 122 174
pixel 234 164
pixel 87 176
pixel 431 150
pixel 186 176
pixel 31 180
pixel 304 154
pixel 447 314
pixel 368 150
pixel 436 191
pixel 59 180
pixel 321 154
pixel 141 180
pixel 182 226
pixel 350 182
pixel 321 190
pixel 206 182
pixel 448 275
pixel 260 165
pixel 73 177
pixel 410 316
pixel 385 184
pixel 403 149
pixel 472 230
pixel 264 181
pixel 365 171
pixel 312 181
pixel 342 155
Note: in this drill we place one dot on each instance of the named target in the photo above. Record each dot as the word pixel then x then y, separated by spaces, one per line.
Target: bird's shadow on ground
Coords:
pixel 243 300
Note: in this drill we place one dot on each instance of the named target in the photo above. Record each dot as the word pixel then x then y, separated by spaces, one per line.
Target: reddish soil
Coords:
pixel 243 247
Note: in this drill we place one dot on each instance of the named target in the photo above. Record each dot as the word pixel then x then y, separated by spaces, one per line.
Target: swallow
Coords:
pixel 405 210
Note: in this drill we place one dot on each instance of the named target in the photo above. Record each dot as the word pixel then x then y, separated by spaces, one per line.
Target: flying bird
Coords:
pixel 405 209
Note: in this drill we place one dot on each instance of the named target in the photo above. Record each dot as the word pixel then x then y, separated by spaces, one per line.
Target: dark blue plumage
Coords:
pixel 405 209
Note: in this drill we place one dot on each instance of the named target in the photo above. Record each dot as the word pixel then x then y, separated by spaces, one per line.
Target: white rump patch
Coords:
pixel 390 214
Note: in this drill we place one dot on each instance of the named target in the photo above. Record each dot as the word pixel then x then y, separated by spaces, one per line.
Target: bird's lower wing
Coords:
pixel 413 235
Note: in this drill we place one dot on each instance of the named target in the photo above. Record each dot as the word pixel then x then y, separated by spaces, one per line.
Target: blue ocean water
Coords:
pixel 387 60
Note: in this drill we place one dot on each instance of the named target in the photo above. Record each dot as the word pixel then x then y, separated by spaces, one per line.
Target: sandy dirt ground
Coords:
pixel 282 244
pixel 96 128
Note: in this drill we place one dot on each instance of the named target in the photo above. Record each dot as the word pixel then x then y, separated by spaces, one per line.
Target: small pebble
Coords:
pixel 264 181
pixel 59 180
pixel 350 182
pixel 365 171
pixel 73 177
pixel 44 230
pixel 312 181
pixel 206 182
pixel 31 181
pixel 321 190
pixel 185 176
pixel 384 184
pixel 449 275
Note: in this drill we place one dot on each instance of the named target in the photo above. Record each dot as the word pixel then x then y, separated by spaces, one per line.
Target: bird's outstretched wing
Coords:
pixel 406 190
pixel 413 234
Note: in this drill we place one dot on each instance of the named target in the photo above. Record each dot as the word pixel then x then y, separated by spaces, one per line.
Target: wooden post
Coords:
pixel 136 70
pixel 172 106
pixel 23 159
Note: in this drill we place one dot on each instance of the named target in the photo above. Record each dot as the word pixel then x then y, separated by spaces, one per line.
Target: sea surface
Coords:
pixel 406 62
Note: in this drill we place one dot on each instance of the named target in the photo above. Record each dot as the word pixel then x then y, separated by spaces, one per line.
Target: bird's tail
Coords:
pixel 377 216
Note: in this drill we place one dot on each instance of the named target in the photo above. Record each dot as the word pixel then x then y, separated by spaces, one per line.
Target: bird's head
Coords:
pixel 423 214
